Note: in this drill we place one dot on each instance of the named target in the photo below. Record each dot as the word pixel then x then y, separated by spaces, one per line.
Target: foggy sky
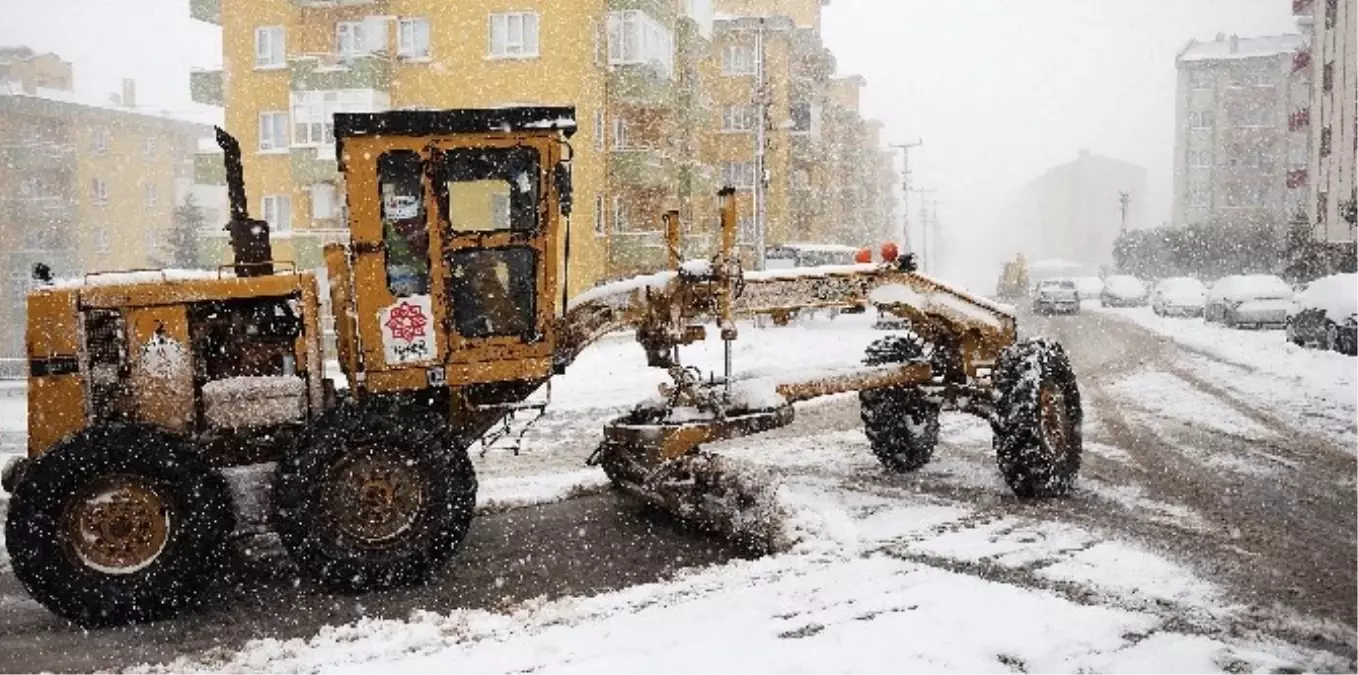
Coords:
pixel 999 90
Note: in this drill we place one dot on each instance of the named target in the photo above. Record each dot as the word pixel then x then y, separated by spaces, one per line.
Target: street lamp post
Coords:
pixel 1124 199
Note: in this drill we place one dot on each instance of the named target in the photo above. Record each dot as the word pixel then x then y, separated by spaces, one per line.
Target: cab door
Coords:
pixel 496 232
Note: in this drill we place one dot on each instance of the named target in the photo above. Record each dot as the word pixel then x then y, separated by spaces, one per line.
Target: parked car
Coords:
pixel 1121 290
pixel 1326 314
pixel 1178 296
pixel 1056 295
pixel 1089 288
pixel 1248 299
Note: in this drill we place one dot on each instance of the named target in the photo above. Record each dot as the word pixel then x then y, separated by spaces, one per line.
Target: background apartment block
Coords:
pixel 85 185
pixel 1240 151
pixel 1332 114
pixel 1072 212
pixel 655 83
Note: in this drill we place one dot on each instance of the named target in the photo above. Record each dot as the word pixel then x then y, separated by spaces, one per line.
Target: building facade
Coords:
pixel 1331 115
pixel 85 186
pixel 656 85
pixel 1240 150
pixel 1073 211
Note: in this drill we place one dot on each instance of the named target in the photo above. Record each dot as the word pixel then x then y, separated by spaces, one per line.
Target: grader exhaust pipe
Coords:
pixel 251 252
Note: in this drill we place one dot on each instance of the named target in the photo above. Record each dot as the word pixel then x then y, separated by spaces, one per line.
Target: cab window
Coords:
pixel 490 189
pixel 405 234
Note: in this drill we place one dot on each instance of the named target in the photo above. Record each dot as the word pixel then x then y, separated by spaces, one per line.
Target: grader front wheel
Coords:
pixel 1037 419
pixel 119 524
pixel 900 424
pixel 376 499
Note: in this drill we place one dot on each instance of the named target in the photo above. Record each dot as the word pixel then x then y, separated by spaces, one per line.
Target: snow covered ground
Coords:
pixel 936 572
pixel 1262 367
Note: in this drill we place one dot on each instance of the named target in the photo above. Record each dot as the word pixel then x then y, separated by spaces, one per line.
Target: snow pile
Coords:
pixel 897 294
pixel 697 267
pixel 1336 295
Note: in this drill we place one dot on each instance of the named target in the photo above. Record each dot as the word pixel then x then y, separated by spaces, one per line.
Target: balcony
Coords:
pixel 38 156
pixel 1302 7
pixel 207 87
pixel 209 168
pixel 1301 60
pixel 662 10
pixel 641 84
pixel 314 72
pixel 636 252
pixel 314 165
pixel 697 180
pixel 209 11
pixel 1296 178
pixel 641 168
pixel 1299 120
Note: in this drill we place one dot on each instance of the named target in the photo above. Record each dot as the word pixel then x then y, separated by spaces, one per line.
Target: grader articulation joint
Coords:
pixel 146 389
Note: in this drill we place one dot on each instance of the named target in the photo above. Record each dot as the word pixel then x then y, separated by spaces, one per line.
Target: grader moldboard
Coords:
pixel 148 389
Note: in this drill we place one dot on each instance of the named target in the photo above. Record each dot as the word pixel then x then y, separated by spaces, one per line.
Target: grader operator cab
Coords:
pixel 149 390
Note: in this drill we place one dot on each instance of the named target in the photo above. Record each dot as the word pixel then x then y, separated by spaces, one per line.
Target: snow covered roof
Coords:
pixel 195 114
pixel 1244 47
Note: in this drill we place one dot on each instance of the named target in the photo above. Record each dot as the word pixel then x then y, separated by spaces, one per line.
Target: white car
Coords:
pixel 1249 299
pixel 1121 290
pixel 1089 288
pixel 1178 296
pixel 1056 295
pixel 1326 314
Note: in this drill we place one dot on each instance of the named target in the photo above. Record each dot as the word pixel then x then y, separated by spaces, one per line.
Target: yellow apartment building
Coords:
pixel 85 186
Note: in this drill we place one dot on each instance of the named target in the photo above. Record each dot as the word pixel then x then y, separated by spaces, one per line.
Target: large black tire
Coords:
pixel 901 426
pixel 1037 419
pixel 119 524
pixel 416 502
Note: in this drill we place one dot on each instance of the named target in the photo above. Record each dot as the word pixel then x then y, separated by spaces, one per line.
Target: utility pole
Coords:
pixel 1124 198
pixel 905 191
pixel 924 228
pixel 761 101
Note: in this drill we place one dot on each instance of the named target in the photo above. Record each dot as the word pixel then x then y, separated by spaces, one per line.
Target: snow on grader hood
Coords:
pixel 449 315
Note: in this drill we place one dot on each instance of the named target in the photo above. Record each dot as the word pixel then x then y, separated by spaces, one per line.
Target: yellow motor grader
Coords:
pixel 148 389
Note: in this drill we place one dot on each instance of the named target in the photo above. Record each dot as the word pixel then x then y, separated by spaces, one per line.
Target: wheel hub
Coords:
pixel 374 499
pixel 117 524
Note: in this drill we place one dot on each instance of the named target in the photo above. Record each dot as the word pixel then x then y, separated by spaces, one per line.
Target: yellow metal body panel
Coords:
pixel 56 409
pixel 56 403
pixel 341 279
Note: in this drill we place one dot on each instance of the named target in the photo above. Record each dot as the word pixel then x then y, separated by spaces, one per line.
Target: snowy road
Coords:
pixel 1213 529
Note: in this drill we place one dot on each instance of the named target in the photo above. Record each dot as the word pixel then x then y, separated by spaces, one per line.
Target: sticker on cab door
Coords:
pixel 408 330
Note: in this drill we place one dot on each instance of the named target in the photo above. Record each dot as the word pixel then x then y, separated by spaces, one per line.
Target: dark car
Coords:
pixel 1325 315
pixel 1056 295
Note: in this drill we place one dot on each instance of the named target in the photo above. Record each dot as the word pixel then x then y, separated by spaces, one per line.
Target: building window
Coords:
pixel 620 133
pixel 738 118
pixel 514 35
pixel 313 113
pixel 745 229
pixel 151 196
pixel 356 38
pixel 99 140
pixel 324 201
pixel 801 179
pixel 1200 79
pixel 98 191
pixel 152 243
pixel 634 37
pixel 1200 120
pixel 273 131
pixel 619 215
pixel 1327 76
pixel 600 43
pixel 1331 12
pixel 148 146
pixel 599 214
pixel 412 41
pixel 1199 160
pixel 801 114
pixel 269 47
pixel 599 130
pixel 278 212
pixel 1325 142
pixel 1322 204
pixel 738 175
pixel 738 60
pixel 100 240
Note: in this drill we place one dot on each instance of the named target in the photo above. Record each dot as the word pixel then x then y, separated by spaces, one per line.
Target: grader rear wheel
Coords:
pixel 1037 419
pixel 378 498
pixel 119 524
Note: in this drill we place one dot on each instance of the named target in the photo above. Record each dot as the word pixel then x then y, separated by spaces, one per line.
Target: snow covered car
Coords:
pixel 1121 290
pixel 1178 296
pixel 1248 299
pixel 1056 295
pixel 1089 288
pixel 1326 314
